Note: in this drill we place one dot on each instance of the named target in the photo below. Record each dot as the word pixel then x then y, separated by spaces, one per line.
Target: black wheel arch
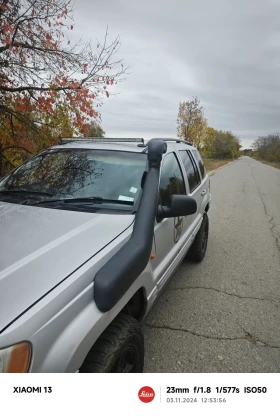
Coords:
pixel 137 305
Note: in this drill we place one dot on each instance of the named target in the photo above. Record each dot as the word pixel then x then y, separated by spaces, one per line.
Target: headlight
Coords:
pixel 15 359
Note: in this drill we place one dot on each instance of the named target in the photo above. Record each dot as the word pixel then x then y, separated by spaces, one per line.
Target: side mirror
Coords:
pixel 180 206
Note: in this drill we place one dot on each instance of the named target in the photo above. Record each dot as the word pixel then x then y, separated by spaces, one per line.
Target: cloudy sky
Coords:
pixel 226 52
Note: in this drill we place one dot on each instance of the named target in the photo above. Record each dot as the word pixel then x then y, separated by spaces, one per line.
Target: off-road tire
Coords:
pixel 198 248
pixel 123 337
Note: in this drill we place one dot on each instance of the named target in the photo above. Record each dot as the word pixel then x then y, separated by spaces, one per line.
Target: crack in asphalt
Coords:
pixel 275 302
pixel 271 219
pixel 247 336
pixel 271 222
pixel 254 340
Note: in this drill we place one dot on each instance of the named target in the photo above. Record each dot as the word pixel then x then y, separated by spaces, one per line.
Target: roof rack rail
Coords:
pixel 99 139
pixel 173 140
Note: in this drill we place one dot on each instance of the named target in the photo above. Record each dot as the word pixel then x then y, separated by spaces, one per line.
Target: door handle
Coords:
pixel 203 192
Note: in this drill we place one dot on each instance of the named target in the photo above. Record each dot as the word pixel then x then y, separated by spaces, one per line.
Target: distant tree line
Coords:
pixel 193 126
pixel 247 152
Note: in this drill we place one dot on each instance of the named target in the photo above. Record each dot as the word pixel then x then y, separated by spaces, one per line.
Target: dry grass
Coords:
pixel 274 164
pixel 212 164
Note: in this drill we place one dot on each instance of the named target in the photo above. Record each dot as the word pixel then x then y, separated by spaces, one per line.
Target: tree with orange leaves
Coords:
pixel 42 72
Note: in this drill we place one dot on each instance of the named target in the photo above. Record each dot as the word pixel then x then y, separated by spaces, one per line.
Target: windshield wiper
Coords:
pixel 24 192
pixel 86 200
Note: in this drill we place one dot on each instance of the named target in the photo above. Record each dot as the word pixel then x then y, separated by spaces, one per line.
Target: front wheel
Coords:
pixel 120 349
pixel 198 248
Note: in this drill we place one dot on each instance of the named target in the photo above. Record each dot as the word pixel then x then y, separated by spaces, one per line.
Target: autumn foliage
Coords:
pixel 193 126
pixel 48 85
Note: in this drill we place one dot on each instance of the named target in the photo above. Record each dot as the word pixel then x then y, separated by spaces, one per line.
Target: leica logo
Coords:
pixel 146 394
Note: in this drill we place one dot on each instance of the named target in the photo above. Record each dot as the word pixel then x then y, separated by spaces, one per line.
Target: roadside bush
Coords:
pixel 267 147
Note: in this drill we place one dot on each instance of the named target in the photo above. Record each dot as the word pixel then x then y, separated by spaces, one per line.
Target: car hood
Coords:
pixel 39 247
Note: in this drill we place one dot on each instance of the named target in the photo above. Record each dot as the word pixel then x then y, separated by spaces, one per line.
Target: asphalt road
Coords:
pixel 223 315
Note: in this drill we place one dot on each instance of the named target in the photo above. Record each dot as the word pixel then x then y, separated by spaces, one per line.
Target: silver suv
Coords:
pixel 91 230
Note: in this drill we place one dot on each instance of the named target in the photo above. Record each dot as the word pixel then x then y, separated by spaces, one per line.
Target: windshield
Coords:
pixel 80 173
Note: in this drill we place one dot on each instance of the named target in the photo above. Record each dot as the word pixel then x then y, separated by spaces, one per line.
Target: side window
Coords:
pixel 199 162
pixel 191 170
pixel 171 180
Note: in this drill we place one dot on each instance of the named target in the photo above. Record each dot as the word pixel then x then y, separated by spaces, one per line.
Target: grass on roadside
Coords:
pixel 274 164
pixel 212 164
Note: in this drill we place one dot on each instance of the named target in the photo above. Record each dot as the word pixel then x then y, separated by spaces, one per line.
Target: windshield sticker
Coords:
pixel 125 198
pixel 133 190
